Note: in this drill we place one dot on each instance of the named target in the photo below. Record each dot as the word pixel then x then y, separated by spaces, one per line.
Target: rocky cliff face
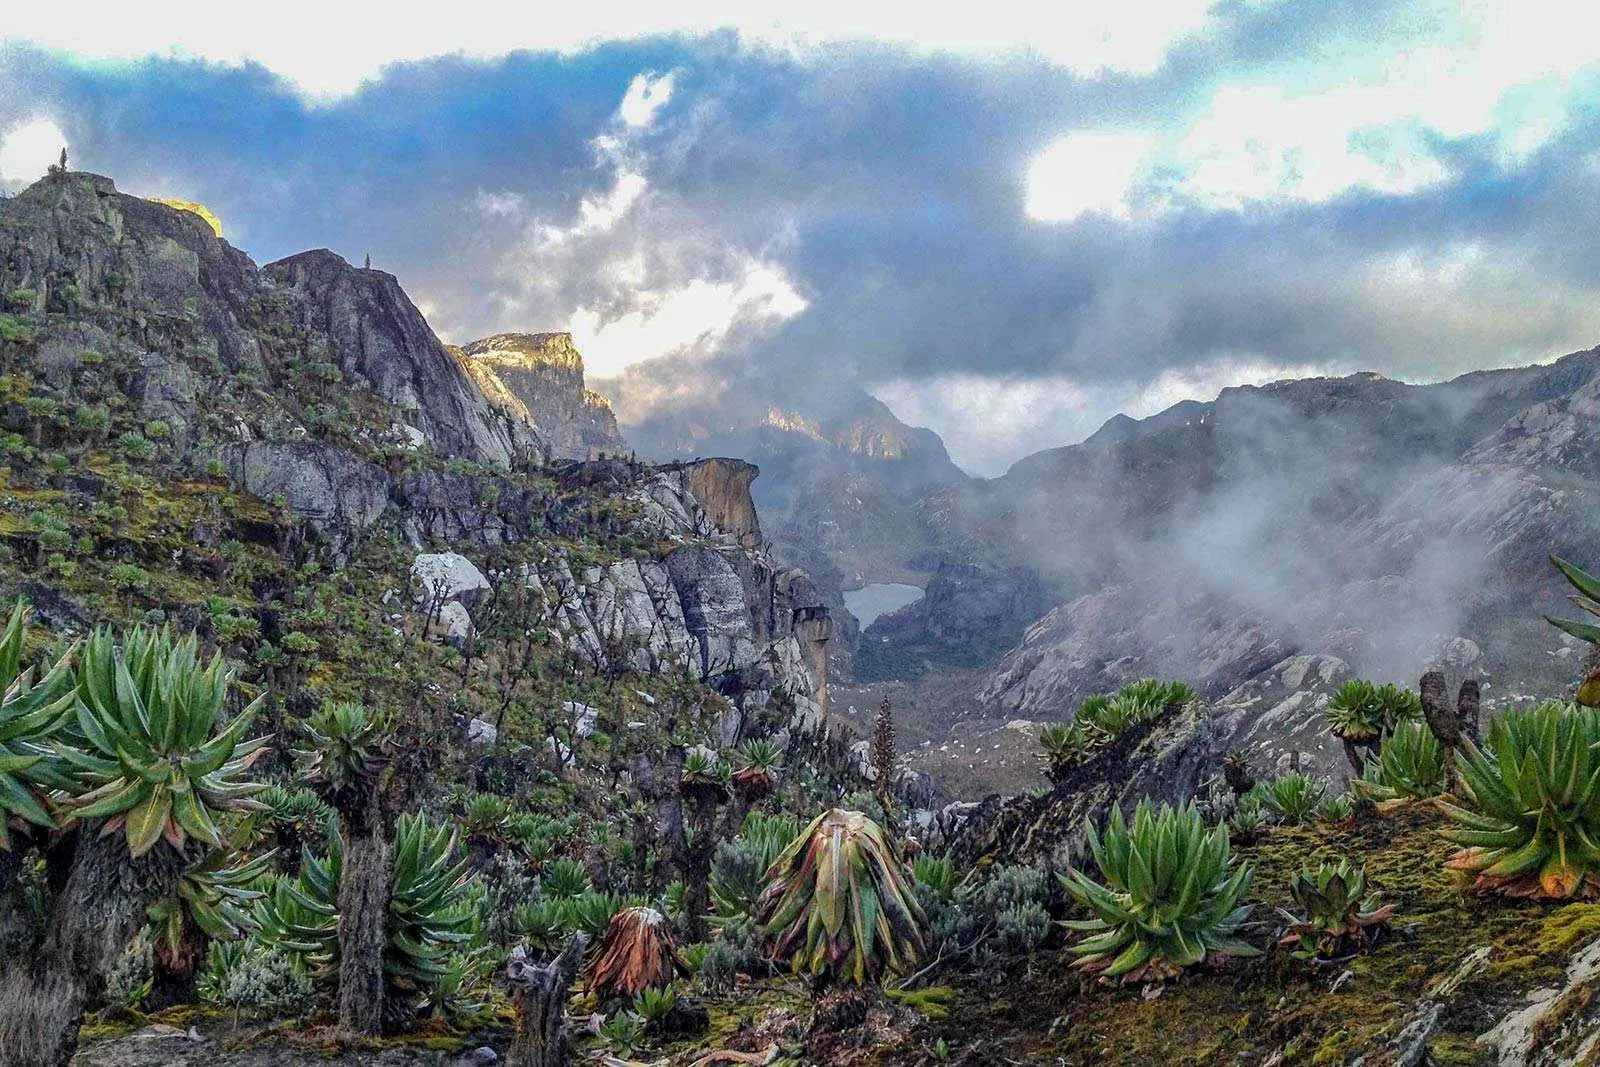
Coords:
pixel 541 376
pixel 319 388
pixel 211 332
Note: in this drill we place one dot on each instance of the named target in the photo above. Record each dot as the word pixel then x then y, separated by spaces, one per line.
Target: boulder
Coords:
pixel 438 577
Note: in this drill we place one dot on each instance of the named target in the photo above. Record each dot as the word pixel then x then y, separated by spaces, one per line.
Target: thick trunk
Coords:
pixel 177 971
pixel 100 906
pixel 697 865
pixel 539 997
pixel 364 887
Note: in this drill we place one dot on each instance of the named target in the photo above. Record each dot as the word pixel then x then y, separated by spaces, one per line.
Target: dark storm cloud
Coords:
pixel 885 186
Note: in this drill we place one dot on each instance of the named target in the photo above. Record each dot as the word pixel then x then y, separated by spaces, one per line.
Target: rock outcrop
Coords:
pixel 373 333
pixel 320 388
pixel 541 376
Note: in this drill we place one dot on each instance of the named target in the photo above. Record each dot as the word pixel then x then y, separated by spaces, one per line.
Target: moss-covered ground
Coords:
pixel 1309 1013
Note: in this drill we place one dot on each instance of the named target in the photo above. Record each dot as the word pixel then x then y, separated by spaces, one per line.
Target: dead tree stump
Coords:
pixel 539 995
pixel 1450 725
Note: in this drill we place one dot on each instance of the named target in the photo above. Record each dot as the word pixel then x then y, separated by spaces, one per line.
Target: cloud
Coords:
pixel 987 423
pixel 1084 173
pixel 330 50
pixel 1007 244
pixel 28 149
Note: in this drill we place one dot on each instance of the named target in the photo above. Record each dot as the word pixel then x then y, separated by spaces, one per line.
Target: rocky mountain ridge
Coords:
pixel 317 388
pixel 1374 526
pixel 840 473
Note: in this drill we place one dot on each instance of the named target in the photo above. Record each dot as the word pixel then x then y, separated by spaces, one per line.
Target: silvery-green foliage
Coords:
pixel 1021 928
pixel 130 978
pixel 250 976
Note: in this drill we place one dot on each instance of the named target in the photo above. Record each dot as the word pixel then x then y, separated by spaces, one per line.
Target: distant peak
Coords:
pixel 548 349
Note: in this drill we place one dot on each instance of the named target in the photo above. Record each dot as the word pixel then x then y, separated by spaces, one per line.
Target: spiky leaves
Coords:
pixel 1103 718
pixel 1170 899
pixel 1586 597
pixel 1062 747
pixel 637 953
pixel 1362 711
pixel 344 753
pixel 739 867
pixel 838 904
pixel 425 920
pixel 757 768
pixel 1529 815
pixel 1410 766
pixel 1336 915
pixel 32 713
pixel 154 759
pixel 1292 798
pixel 214 899
pixel 427 917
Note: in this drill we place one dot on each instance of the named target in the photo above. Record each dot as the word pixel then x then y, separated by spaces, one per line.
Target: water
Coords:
pixel 870 601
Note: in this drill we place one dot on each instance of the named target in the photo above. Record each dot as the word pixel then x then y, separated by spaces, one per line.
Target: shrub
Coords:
pixel 1361 711
pixel 254 977
pixel 739 867
pixel 838 905
pixel 1292 798
pixel 1410 766
pixel 136 446
pixel 1337 917
pixel 1528 818
pixel 1170 899
pixel 637 953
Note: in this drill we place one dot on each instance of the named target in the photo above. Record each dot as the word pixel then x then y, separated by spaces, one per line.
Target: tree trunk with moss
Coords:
pixel 365 884
pixel 98 904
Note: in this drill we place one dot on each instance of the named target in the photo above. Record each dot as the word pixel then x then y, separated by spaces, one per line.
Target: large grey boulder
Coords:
pixel 319 482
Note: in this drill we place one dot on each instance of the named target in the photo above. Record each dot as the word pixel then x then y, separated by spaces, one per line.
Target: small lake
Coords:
pixel 870 601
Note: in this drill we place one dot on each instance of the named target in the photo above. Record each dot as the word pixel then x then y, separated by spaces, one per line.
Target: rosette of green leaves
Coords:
pixel 1529 814
pixel 1170 896
pixel 33 712
pixel 1337 915
pixel 152 756
pixel 1410 766
pixel 838 903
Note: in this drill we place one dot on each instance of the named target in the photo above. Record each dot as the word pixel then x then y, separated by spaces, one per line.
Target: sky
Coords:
pixel 1008 221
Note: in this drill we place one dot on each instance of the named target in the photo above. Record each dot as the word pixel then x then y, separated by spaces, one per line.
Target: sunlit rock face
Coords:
pixel 541 376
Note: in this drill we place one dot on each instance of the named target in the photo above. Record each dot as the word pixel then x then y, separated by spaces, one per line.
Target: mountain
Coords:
pixel 839 472
pixel 171 407
pixel 1383 524
pixel 541 375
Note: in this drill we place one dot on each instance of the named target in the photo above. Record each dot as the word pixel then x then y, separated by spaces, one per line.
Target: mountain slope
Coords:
pixel 1380 523
pixel 839 472
pixel 193 429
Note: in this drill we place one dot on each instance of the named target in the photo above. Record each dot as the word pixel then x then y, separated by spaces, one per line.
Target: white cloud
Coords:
pixel 694 317
pixel 1086 173
pixel 27 150
pixel 1323 124
pixel 658 282
pixel 646 95
pixel 353 41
